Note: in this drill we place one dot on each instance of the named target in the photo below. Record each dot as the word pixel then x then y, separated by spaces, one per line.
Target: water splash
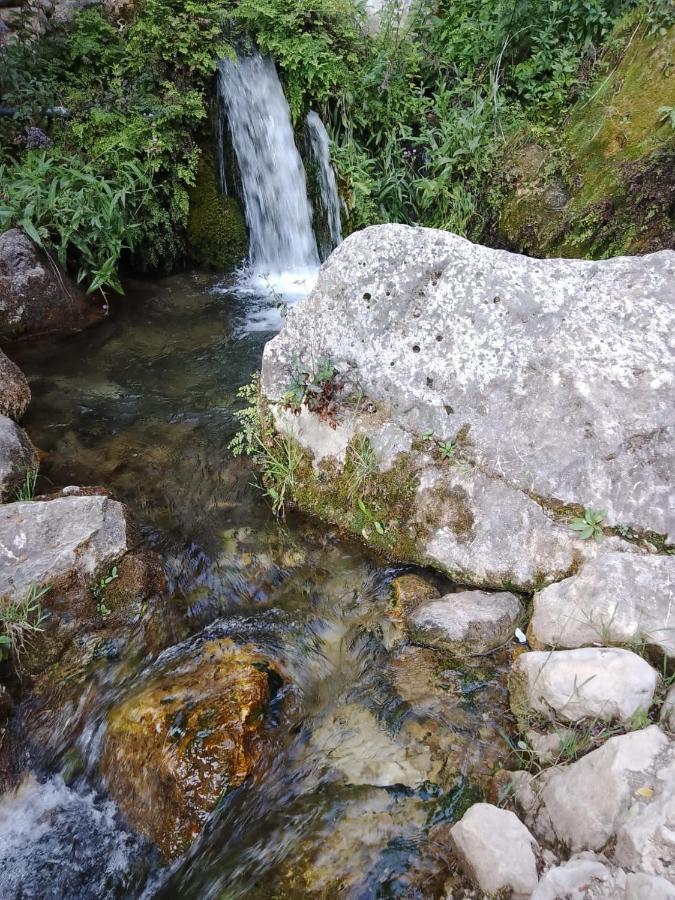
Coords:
pixel 283 257
pixel 318 149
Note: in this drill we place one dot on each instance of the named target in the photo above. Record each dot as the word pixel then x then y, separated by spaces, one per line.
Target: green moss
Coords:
pixel 605 183
pixel 216 231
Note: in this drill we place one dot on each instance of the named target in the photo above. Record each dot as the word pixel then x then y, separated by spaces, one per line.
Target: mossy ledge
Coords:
pixel 216 233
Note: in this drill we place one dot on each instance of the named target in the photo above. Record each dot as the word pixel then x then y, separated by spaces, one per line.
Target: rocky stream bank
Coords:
pixel 473 406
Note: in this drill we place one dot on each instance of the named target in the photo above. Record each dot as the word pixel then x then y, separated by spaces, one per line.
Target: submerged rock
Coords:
pixel 14 390
pixel 470 622
pixel 175 746
pixel 542 383
pixel 586 804
pixel 36 297
pixel 616 598
pixel 496 850
pixel 18 457
pixel 601 683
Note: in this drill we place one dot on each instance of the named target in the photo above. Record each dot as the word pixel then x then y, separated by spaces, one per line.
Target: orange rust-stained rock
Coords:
pixel 175 747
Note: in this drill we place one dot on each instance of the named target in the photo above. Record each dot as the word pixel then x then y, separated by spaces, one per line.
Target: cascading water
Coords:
pixel 283 252
pixel 318 151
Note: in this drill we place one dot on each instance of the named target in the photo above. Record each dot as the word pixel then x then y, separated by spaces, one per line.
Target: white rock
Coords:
pixel 69 537
pixel 469 622
pixel 640 886
pixel 573 879
pixel 646 840
pixel 583 805
pixel 667 715
pixel 593 682
pixel 496 850
pixel 616 598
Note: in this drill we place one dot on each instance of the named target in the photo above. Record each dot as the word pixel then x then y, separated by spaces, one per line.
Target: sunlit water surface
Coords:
pixel 373 747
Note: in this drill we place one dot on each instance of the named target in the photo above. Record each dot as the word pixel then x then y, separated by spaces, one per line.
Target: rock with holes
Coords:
pixel 496 850
pixel 616 598
pixel 469 622
pixel 18 457
pixel 604 683
pixel 585 805
pixel 526 387
pixel 14 390
pixel 36 297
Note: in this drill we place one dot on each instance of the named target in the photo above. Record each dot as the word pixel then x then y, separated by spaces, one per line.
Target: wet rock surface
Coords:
pixel 14 389
pixel 36 297
pixel 468 622
pixel 18 456
pixel 174 747
pixel 499 354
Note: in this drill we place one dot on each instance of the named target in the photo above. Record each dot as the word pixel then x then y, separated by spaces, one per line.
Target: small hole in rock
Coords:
pixel 430 382
pixel 416 348
pixel 366 296
pixel 439 337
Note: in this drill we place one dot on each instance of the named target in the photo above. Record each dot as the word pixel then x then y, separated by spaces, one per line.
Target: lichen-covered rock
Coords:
pixel 616 598
pixel 496 850
pixel 470 622
pixel 585 804
pixel 410 590
pixel 600 683
pixel 216 231
pixel 549 377
pixel 14 390
pixel 18 456
pixel 35 296
pixel 176 745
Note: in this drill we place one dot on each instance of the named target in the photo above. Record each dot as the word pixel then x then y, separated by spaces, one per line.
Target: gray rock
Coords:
pixel 600 683
pixel 583 805
pixel 667 716
pixel 35 296
pixel 615 598
pixel 552 377
pixel 496 850
pixel 14 390
pixel 470 622
pixel 17 457
pixel 44 542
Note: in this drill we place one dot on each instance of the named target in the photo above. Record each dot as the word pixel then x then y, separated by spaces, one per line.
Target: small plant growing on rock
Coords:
pixel 362 464
pixel 20 620
pixel 98 589
pixel 318 389
pixel 27 489
pixel 590 526
pixel 368 521
pixel 447 450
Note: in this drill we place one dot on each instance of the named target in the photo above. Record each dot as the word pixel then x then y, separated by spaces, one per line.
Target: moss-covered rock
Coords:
pixel 605 184
pixel 216 236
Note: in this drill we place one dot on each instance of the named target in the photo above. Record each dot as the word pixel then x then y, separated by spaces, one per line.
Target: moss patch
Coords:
pixel 605 184
pixel 216 236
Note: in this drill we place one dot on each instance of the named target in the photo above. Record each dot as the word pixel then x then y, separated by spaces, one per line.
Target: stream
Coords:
pixel 372 747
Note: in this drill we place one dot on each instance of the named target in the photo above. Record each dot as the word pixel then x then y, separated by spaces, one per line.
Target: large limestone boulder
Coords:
pixel 551 378
pixel 585 805
pixel 469 622
pixel 599 683
pixel 18 456
pixel 36 297
pixel 496 850
pixel 616 598
pixel 176 745
pixel 14 390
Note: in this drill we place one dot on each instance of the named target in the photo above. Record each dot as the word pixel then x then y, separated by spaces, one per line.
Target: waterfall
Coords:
pixel 318 151
pixel 283 248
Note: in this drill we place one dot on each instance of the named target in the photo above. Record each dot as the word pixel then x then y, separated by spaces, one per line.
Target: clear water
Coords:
pixel 372 746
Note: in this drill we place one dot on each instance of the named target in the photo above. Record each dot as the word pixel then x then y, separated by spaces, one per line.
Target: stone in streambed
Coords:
pixel 14 390
pixel 18 456
pixel 496 850
pixel 175 746
pixel 466 623
pixel 616 598
pixel 605 683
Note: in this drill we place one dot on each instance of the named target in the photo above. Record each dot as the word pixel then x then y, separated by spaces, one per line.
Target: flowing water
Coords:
pixel 318 150
pixel 371 747
pixel 283 251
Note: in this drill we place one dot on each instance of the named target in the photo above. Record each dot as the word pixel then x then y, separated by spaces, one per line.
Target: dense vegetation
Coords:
pixel 418 113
